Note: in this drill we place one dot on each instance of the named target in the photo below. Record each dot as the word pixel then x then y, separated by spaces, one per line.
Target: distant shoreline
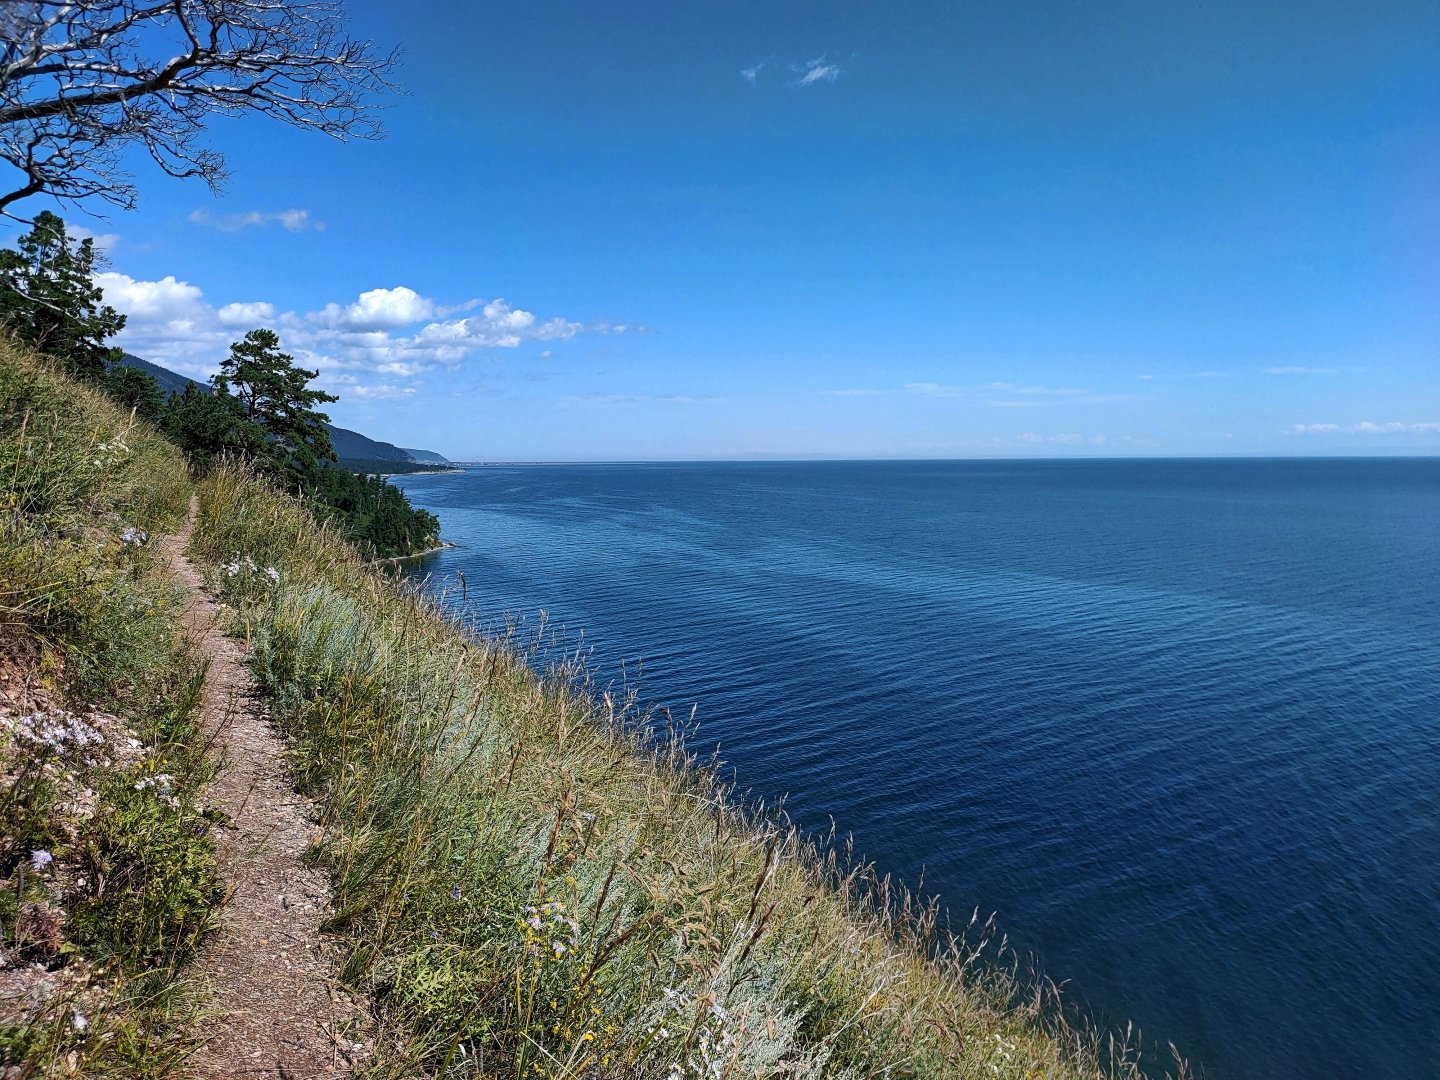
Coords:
pixel 442 546
pixel 422 472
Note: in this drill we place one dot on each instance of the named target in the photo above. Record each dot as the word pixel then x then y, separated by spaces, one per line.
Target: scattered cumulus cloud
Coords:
pixel 380 309
pixel 497 325
pixel 1366 427
pixel 372 347
pixel 168 299
pixel 250 315
pixel 291 220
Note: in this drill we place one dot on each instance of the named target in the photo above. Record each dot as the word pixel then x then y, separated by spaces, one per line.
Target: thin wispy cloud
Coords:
pixel 935 390
pixel 1208 374
pixel 1075 438
pixel 1366 427
pixel 813 72
pixel 294 221
pixel 636 399
pixel 997 395
pixel 1044 391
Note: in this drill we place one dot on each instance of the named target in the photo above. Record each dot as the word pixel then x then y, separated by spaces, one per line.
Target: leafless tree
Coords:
pixel 83 82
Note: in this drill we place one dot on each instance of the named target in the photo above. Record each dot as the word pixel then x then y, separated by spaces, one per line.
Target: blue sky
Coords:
pixel 841 229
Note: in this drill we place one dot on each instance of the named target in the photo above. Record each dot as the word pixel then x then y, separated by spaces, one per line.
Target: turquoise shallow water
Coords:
pixel 1176 722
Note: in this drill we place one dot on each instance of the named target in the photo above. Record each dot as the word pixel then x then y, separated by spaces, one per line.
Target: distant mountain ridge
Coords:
pixel 349 445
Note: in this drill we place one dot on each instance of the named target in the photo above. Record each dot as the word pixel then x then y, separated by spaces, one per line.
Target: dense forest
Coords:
pixel 259 408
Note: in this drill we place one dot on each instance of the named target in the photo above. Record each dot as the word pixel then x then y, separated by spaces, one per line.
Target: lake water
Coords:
pixel 1176 722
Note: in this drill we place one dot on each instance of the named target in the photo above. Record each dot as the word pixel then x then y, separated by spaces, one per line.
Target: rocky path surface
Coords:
pixel 275 1009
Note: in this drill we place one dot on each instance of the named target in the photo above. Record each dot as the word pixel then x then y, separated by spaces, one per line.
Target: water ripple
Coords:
pixel 1178 723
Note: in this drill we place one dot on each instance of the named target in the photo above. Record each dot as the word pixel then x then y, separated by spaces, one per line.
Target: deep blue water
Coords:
pixel 1176 722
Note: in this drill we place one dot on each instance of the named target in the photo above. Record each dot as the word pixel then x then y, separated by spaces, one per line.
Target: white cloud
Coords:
pixel 1074 438
pixel 750 74
pixel 938 390
pixel 1043 391
pixel 382 309
pixel 105 243
pixel 290 220
pixel 248 315
pixel 601 326
pixel 381 391
pixel 815 71
pixel 1210 374
pixel 498 325
pixel 166 299
pixel 665 399
pixel 1366 427
pixel 372 347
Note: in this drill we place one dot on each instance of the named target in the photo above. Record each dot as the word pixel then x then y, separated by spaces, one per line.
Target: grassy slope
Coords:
pixel 88 637
pixel 528 889
pixel 524 887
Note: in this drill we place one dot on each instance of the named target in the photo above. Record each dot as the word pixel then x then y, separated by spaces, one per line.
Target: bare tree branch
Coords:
pixel 83 81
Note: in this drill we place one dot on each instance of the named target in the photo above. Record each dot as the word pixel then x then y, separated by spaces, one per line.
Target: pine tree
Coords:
pixel 207 426
pixel 137 390
pixel 49 299
pixel 275 395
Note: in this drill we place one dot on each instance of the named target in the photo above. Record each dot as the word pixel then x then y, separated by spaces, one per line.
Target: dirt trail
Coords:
pixel 276 1010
